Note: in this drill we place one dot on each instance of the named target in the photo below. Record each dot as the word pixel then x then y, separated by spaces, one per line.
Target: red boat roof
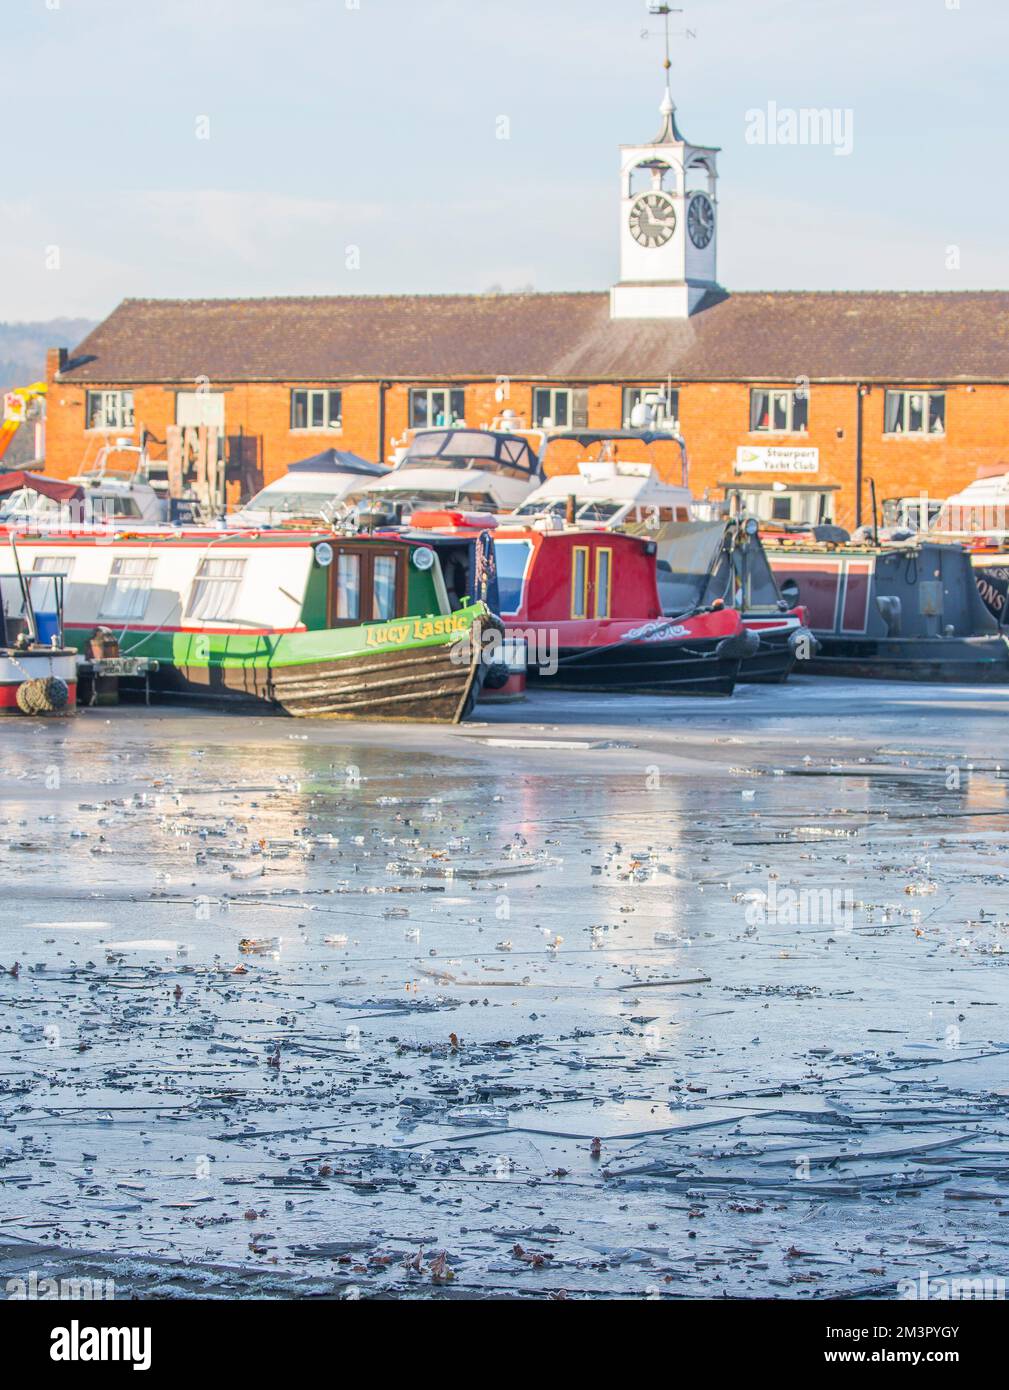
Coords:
pixel 46 487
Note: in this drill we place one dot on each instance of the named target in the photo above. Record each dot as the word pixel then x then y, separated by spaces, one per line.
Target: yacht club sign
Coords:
pixel 775 459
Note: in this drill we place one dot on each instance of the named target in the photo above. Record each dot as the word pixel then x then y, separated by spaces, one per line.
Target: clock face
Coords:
pixel 701 220
pixel 653 219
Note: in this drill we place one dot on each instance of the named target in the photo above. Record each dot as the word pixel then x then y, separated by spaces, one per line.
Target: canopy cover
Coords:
pixel 337 461
pixel 46 487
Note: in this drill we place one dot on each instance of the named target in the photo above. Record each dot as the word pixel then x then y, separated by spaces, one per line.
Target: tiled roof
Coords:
pixel 914 336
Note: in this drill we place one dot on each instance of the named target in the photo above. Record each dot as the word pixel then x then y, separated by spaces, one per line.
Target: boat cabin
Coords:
pixel 481 469
pixel 574 576
pixel 610 493
pixel 153 588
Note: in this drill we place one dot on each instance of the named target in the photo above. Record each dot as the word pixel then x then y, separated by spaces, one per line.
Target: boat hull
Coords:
pixel 426 669
pixel 991 575
pixel 661 669
pixel 776 657
pixel 980 660
pixel 907 613
pixel 16 667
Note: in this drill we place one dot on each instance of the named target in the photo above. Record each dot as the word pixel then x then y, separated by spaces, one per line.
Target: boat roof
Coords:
pixel 179 536
pixel 52 488
pixel 587 437
pixel 609 480
pixel 335 461
pixel 493 446
pixel 982 490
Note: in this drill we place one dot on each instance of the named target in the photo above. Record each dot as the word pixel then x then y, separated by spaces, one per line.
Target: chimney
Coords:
pixel 56 360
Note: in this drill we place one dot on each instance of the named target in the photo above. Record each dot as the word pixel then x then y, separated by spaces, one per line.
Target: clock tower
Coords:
pixel 668 224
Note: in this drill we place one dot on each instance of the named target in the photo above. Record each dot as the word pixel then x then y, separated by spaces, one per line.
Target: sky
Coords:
pixel 215 148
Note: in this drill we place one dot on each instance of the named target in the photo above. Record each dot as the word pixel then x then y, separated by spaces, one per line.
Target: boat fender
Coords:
pixel 888 607
pixel 802 640
pixel 46 695
pixel 498 672
pixel 741 644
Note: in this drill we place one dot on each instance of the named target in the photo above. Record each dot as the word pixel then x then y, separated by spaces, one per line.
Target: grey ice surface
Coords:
pixel 309 1008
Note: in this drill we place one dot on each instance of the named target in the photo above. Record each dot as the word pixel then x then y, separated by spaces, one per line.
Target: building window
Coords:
pixel 215 590
pixel 551 407
pixel 778 412
pixel 435 407
pixel 650 405
pixel 128 590
pixel 109 410
pixel 200 408
pixel 316 410
pixel 914 412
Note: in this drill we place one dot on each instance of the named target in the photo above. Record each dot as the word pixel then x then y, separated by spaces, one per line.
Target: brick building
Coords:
pixel 910 390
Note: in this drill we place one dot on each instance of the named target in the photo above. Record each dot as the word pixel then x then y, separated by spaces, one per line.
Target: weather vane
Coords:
pixel 665 11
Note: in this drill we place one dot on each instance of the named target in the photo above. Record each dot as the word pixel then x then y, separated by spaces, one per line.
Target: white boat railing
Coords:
pixel 974 519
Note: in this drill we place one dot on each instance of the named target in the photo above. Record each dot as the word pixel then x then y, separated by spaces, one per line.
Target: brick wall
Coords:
pixel 714 419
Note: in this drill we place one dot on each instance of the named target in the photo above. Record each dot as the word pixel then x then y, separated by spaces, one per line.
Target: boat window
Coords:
pixel 598 511
pixel 117 505
pixel 580 582
pixel 348 587
pixel 383 604
pixel 215 589
pixel 687 557
pixel 44 595
pixel 128 590
pixel 281 502
pixel 604 570
pixel 512 562
pixel 543 508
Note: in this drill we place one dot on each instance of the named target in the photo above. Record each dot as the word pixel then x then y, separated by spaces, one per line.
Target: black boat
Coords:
pixel 901 611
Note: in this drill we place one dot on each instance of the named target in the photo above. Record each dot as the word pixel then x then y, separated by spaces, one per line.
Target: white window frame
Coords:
pixel 141 582
pixel 222 612
pixel 555 393
pixel 927 396
pixel 790 394
pixel 332 424
pixel 429 392
pixel 193 408
pixel 116 410
pixel 632 395
pixel 48 564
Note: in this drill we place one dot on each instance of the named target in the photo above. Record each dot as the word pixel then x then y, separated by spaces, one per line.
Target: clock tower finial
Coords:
pixel 667 110
pixel 667 218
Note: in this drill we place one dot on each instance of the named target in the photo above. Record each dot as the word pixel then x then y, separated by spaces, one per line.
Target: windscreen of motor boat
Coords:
pixel 481 450
pixel 512 559
pixel 688 553
pixel 742 578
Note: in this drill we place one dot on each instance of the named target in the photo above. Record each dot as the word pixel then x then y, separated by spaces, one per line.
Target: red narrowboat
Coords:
pixel 587 604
